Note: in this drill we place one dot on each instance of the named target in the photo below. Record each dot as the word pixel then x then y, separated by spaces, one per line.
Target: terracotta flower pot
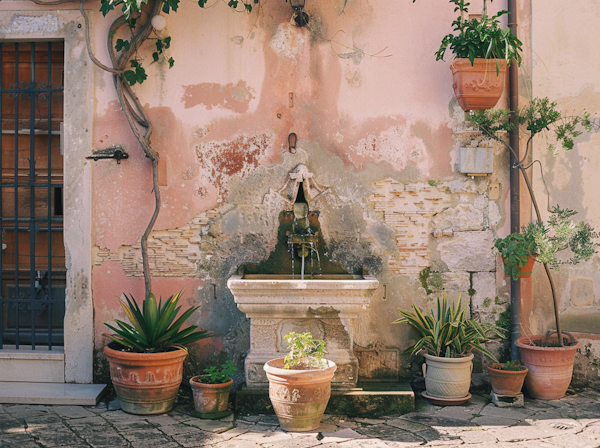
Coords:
pixel 478 86
pixel 299 397
pixel 527 270
pixel 146 383
pixel 550 368
pixel 447 377
pixel 506 382
pixel 210 398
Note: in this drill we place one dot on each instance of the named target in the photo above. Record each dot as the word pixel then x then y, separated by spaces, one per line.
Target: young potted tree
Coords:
pixel 211 390
pixel 507 377
pixel 146 356
pixel 448 338
pixel 482 51
pixel 300 383
pixel 548 357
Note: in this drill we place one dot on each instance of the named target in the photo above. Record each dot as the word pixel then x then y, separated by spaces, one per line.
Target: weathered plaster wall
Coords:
pixel 562 38
pixel 377 130
pixel 377 123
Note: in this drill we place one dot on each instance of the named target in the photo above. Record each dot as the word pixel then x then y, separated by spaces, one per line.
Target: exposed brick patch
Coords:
pixel 408 210
pixel 171 252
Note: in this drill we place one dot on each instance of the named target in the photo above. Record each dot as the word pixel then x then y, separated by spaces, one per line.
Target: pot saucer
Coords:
pixel 447 401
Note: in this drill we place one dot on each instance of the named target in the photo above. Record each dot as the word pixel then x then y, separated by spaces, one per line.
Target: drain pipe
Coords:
pixel 515 199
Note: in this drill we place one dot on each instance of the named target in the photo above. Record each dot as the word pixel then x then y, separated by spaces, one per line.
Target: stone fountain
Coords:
pixel 304 299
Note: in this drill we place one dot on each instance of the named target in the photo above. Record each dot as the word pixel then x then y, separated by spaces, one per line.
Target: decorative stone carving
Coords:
pixel 378 362
pixel 301 176
pixel 324 307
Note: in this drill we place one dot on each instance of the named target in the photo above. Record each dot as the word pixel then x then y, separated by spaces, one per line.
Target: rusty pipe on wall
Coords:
pixel 515 199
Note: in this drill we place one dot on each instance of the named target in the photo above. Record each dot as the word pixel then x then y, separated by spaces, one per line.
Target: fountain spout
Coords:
pixel 302 240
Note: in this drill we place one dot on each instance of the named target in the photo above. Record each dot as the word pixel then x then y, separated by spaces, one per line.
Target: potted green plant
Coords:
pixel 482 51
pixel 146 355
pixel 507 377
pixel 548 357
pixel 518 252
pixel 211 390
pixel 447 339
pixel 300 383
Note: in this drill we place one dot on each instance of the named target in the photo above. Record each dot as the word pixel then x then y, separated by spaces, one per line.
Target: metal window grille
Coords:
pixel 32 259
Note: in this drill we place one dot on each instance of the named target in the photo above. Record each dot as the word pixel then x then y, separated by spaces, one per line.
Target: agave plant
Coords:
pixel 154 328
pixel 450 334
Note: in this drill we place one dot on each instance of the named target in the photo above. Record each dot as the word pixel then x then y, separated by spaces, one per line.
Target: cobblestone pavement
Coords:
pixel 570 422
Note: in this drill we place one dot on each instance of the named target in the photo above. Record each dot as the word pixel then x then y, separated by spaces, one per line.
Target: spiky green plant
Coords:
pixel 153 327
pixel 450 333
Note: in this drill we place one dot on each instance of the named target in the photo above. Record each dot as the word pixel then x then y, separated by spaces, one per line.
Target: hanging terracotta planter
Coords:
pixel 527 270
pixel 550 368
pixel 478 86
pixel 506 382
pixel 146 383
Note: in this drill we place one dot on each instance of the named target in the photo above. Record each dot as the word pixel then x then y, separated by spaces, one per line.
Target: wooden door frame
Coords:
pixel 40 24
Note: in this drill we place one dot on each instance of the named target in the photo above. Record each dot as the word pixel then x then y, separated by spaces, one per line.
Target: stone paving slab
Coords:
pixel 573 422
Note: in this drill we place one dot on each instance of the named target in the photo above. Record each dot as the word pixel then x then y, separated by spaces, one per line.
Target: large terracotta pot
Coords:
pixel 299 397
pixel 210 398
pixel 447 377
pixel 550 368
pixel 478 86
pixel 146 383
pixel 506 382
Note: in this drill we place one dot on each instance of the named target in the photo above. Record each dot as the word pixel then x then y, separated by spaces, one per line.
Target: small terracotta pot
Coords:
pixel 478 86
pixel 447 377
pixel 506 382
pixel 146 383
pixel 210 398
pixel 527 270
pixel 550 368
pixel 299 397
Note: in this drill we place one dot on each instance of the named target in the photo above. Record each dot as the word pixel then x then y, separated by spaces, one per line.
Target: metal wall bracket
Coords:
pixel 112 152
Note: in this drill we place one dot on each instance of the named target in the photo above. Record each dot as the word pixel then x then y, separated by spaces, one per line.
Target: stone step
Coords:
pixel 14 392
pixel 374 399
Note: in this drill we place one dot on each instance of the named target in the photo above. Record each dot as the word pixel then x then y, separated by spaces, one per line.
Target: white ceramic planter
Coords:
pixel 447 377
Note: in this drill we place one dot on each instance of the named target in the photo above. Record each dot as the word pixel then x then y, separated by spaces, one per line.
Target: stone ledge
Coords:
pixel 369 400
pixel 13 392
pixel 57 354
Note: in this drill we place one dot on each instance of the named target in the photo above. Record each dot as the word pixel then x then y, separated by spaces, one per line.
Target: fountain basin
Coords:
pixel 325 305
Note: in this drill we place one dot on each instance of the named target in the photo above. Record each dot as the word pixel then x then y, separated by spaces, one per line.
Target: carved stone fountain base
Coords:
pixel 277 305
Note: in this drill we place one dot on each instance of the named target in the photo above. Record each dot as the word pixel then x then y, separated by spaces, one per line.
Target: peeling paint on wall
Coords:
pixel 221 160
pixel 235 97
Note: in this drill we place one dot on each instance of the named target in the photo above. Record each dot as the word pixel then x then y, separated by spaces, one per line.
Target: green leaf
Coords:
pixel 122 44
pixel 171 62
pixel 106 6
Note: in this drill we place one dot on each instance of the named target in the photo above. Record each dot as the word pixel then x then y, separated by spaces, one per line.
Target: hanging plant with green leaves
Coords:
pixel 480 37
